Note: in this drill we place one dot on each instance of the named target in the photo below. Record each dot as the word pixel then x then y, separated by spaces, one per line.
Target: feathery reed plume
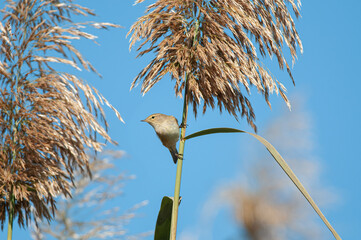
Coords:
pixel 90 199
pixel 214 43
pixel 45 126
pixel 266 208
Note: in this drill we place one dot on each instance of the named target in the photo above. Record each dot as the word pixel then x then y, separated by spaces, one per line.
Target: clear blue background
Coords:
pixel 327 74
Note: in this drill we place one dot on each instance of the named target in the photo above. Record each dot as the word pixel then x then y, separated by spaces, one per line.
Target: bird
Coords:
pixel 167 129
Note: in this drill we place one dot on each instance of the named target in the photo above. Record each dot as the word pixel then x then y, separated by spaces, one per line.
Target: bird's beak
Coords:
pixel 143 120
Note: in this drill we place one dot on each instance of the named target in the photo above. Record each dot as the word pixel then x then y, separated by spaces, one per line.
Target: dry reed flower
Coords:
pixel 266 208
pixel 214 42
pixel 45 126
pixel 90 198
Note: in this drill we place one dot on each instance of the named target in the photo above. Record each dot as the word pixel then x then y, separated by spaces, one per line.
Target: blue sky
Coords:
pixel 326 75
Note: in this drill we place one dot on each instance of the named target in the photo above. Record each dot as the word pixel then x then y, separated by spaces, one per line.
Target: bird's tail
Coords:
pixel 174 153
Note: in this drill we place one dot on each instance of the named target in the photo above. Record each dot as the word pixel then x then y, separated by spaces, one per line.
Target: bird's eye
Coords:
pixel 153 117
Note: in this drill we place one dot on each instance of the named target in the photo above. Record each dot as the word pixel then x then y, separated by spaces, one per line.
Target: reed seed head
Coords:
pixel 217 43
pixel 45 125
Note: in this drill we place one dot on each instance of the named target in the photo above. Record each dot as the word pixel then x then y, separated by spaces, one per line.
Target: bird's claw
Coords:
pixel 182 125
pixel 179 156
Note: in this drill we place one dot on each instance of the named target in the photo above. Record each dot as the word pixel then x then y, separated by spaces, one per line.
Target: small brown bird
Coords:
pixel 167 129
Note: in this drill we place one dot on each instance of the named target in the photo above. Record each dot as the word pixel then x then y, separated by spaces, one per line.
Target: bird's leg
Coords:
pixel 182 125
pixel 179 156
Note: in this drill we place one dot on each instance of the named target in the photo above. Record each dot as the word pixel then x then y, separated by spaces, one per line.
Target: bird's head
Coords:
pixel 155 119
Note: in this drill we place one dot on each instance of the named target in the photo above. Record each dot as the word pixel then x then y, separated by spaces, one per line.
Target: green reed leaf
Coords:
pixel 162 228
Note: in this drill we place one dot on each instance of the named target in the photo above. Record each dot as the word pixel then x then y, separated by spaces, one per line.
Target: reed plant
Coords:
pixel 48 116
pixel 211 49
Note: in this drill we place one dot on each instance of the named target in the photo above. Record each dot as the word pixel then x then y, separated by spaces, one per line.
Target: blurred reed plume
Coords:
pixel 86 215
pixel 214 43
pixel 44 124
pixel 266 207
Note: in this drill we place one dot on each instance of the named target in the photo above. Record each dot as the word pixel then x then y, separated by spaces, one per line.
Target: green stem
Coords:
pixel 14 125
pixel 11 216
pixel 12 200
pixel 173 229
pixel 173 232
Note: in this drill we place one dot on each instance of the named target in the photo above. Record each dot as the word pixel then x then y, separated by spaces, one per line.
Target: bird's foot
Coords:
pixel 179 156
pixel 182 125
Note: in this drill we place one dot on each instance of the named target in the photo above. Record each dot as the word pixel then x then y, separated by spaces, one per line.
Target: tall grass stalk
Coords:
pixel 179 165
pixel 11 217
pixel 174 222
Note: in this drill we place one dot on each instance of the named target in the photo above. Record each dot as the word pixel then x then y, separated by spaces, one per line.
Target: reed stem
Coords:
pixel 173 232
pixel 11 216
